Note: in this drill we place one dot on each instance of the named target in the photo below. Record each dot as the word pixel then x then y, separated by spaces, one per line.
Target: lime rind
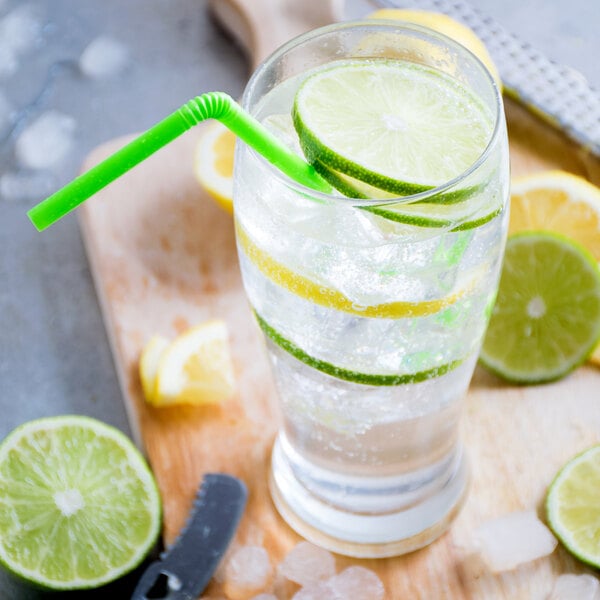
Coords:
pixel 555 507
pixel 142 526
pixel 527 349
pixel 473 212
pixel 397 126
pixel 370 379
pixel 354 188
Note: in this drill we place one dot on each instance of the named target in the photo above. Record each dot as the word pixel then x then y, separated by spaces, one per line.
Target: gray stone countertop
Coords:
pixel 54 354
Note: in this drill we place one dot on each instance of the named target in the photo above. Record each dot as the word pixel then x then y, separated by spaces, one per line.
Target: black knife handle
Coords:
pixel 186 568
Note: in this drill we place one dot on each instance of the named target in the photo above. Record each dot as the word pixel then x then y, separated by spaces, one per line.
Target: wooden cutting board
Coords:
pixel 163 258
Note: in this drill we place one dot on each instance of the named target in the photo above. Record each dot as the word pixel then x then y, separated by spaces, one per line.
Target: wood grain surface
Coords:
pixel 163 258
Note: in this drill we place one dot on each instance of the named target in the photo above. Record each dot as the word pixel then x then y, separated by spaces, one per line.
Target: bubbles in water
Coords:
pixel 46 141
pixel 307 564
pixel 103 57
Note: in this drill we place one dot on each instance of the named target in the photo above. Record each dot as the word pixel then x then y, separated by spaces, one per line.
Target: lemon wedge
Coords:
pixel 213 164
pixel 149 361
pixel 195 368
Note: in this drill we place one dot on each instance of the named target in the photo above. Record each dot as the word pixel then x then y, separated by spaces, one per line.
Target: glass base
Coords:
pixel 367 517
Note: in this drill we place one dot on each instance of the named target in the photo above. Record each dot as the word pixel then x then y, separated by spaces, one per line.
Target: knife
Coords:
pixel 559 94
pixel 184 570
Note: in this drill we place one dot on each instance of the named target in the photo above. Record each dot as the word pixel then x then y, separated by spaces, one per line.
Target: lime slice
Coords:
pixel 473 211
pixel 78 504
pixel 546 320
pixel 573 506
pixel 354 188
pixel 347 374
pixel 397 126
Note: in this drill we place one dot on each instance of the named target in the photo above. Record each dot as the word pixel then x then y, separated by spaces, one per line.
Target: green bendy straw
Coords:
pixel 213 105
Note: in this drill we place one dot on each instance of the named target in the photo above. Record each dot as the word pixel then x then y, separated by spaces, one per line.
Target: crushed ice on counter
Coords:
pixel 27 185
pixel 46 141
pixel 580 587
pixel 20 31
pixel 248 567
pixel 356 583
pixel 103 57
pixel 306 564
pixel 513 539
pixel 315 591
pixel 353 583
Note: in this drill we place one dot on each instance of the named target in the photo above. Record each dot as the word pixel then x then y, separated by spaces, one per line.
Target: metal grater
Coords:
pixel 559 94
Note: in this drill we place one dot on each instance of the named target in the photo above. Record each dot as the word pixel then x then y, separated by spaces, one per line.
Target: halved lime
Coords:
pixel 546 320
pixel 398 126
pixel 347 374
pixel 79 506
pixel 573 506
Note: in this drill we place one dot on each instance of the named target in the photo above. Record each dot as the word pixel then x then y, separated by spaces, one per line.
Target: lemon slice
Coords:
pixel 398 126
pixel 573 506
pixel 196 368
pixel 557 201
pixel 213 163
pixel 446 25
pixel 546 320
pixel 149 362
pixel 322 295
pixel 562 202
pixel 79 506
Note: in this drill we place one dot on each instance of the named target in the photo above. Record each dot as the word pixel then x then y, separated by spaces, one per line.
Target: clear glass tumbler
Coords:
pixel 373 326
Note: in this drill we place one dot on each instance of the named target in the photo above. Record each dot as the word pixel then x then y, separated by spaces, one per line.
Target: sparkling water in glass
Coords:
pixel 372 326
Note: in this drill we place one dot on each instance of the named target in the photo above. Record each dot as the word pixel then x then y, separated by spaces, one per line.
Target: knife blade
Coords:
pixel 184 570
pixel 559 94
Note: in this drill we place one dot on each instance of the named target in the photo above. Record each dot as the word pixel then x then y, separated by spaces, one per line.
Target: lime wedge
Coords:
pixel 78 504
pixel 347 374
pixel 397 126
pixel 546 320
pixel 573 506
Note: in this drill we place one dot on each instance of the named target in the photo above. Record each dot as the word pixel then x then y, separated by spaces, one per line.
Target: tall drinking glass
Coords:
pixel 372 323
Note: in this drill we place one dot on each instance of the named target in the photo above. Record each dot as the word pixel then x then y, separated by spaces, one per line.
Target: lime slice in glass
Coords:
pixel 398 126
pixel 546 320
pixel 573 506
pixel 79 506
pixel 374 379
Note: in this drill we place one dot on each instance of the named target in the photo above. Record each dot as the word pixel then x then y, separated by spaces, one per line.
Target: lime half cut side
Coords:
pixel 573 506
pixel 397 126
pixel 79 506
pixel 546 320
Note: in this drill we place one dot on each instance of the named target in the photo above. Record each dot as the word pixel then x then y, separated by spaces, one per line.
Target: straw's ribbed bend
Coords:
pixel 212 105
